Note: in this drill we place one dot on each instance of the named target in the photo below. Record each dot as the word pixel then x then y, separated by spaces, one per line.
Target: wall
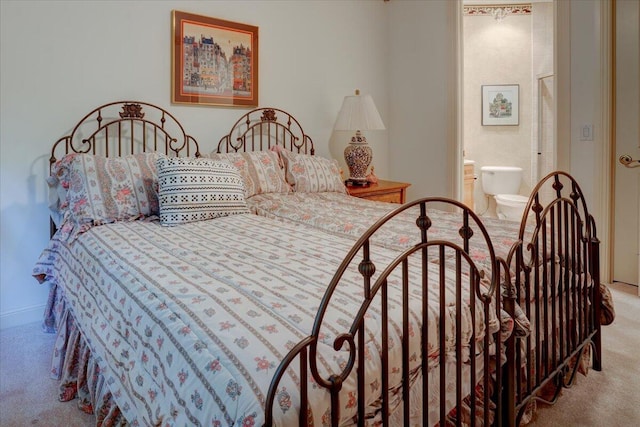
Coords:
pixel 422 76
pixel 543 101
pixel 585 105
pixel 497 52
pixel 60 59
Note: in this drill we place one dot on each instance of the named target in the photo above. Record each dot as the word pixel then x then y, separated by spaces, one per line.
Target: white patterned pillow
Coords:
pixel 312 174
pixel 96 189
pixel 196 189
pixel 260 171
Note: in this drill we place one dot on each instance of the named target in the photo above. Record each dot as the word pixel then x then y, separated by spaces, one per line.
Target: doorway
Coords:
pixel 508 44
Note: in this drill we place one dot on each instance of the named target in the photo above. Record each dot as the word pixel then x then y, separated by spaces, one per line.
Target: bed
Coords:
pixel 551 256
pixel 173 304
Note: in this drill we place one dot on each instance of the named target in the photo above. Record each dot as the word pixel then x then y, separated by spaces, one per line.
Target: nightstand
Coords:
pixel 382 191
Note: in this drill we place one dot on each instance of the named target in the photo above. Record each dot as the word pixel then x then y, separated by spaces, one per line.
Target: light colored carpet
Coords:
pixel 611 397
pixel 28 395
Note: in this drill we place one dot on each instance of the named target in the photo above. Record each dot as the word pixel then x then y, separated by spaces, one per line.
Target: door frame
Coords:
pixel 605 192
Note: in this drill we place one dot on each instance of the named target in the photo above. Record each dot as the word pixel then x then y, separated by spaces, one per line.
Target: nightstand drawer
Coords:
pixel 390 197
pixel 382 191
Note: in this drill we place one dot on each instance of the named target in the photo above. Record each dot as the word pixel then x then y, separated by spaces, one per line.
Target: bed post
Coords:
pixel 594 257
pixel 508 415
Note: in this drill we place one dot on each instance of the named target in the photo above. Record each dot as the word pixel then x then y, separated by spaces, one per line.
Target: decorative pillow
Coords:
pixel 196 189
pixel 96 189
pixel 58 183
pixel 260 171
pixel 312 174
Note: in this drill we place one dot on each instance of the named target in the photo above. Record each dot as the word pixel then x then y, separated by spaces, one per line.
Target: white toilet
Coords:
pixel 503 183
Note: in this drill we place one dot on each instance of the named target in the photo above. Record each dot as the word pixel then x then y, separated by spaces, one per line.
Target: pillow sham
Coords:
pixel 260 171
pixel 57 183
pixel 92 189
pixel 197 189
pixel 312 174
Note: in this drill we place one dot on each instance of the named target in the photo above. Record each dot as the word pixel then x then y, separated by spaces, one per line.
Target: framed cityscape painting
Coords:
pixel 214 62
pixel 500 105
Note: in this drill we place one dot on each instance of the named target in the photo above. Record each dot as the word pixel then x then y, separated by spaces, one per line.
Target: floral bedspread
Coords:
pixel 345 215
pixel 188 324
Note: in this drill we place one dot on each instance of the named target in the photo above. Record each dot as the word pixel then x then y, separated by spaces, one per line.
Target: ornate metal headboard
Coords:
pixel 122 128
pixel 126 127
pixel 263 128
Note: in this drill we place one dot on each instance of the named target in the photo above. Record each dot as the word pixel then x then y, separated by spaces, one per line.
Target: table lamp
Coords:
pixel 358 113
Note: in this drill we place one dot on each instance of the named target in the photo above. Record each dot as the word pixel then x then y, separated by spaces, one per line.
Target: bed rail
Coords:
pixel 413 272
pixel 263 128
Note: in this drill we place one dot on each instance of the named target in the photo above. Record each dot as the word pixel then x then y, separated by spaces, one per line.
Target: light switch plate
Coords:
pixel 586 132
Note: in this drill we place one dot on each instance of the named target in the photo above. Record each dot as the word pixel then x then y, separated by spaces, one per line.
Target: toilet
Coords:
pixel 503 183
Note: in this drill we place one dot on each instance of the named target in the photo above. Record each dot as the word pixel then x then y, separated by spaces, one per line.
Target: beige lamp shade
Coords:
pixel 358 112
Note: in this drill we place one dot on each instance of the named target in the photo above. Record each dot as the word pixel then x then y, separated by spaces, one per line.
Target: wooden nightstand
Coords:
pixel 383 191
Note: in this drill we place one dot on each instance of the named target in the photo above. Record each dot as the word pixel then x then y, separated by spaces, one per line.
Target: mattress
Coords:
pixel 187 324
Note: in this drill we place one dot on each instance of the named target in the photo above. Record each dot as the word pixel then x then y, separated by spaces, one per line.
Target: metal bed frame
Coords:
pixel 562 246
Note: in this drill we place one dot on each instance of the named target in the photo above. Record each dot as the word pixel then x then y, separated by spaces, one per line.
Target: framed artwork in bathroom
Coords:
pixel 500 105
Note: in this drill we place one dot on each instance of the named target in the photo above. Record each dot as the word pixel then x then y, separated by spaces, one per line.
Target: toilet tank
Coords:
pixel 501 179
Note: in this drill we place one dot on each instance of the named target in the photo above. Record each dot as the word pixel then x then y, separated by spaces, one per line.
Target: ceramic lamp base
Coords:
pixel 358 156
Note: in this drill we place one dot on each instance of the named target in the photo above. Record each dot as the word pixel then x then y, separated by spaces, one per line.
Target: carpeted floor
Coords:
pixel 28 397
pixel 610 397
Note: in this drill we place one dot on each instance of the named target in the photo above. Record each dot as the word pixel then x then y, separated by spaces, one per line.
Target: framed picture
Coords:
pixel 500 105
pixel 214 62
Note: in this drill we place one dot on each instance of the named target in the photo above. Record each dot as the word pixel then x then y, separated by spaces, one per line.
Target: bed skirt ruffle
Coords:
pixel 73 364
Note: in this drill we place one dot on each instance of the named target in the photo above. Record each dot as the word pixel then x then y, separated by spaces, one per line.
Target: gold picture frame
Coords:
pixel 214 62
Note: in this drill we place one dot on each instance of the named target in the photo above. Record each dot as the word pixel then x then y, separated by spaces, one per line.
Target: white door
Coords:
pixel 626 248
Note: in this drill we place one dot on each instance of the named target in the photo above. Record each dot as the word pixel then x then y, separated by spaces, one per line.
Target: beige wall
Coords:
pixel 543 92
pixel 422 76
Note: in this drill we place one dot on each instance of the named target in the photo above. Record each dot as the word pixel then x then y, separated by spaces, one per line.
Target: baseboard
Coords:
pixel 21 317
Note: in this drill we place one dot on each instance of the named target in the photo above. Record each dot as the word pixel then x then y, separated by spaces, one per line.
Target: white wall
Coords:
pixel 60 59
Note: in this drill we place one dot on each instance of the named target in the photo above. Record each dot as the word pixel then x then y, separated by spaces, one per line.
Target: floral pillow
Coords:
pixel 92 190
pixel 196 189
pixel 58 182
pixel 312 174
pixel 260 171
